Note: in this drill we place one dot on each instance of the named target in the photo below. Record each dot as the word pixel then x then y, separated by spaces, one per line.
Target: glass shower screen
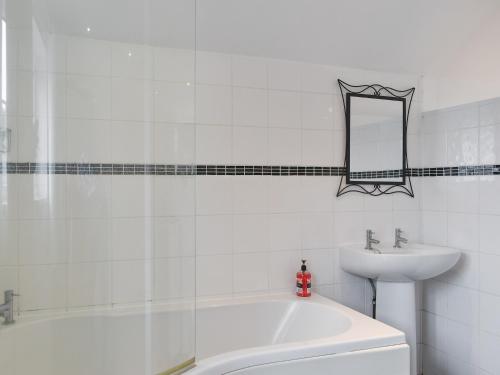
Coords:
pixel 96 185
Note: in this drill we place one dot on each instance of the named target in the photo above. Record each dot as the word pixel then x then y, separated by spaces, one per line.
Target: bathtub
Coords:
pixel 285 334
pixel 272 334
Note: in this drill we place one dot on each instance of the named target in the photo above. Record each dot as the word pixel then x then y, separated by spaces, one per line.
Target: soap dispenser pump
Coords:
pixel 303 281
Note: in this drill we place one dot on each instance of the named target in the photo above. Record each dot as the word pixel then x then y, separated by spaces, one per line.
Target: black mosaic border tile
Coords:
pixel 234 170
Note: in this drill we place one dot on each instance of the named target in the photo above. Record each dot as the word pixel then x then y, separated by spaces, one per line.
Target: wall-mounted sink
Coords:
pixel 411 263
pixel 395 271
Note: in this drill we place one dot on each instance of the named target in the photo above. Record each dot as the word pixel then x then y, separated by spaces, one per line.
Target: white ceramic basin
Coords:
pixel 411 263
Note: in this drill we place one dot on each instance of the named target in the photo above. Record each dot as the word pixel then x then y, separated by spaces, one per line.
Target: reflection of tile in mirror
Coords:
pixel 376 139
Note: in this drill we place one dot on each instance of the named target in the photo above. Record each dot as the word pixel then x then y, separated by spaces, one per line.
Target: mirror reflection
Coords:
pixel 376 139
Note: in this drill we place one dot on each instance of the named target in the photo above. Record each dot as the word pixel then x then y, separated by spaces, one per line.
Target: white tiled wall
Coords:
pixel 73 241
pixel 461 308
pixel 252 231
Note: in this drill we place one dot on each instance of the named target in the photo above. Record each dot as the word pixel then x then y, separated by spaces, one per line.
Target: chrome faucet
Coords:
pixel 7 309
pixel 399 238
pixel 370 240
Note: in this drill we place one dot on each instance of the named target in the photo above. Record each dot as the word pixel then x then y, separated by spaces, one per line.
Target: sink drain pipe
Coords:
pixel 374 298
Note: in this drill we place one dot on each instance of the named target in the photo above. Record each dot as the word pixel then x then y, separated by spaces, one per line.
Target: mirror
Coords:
pixel 376 139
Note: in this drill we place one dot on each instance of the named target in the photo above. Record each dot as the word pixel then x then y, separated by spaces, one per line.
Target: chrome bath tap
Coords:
pixel 370 240
pixel 399 238
pixel 7 309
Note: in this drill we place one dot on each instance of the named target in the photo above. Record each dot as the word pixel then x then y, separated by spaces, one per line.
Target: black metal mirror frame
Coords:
pixel 375 91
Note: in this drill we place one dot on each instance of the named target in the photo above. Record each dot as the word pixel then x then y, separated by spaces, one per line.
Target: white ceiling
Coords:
pixel 390 35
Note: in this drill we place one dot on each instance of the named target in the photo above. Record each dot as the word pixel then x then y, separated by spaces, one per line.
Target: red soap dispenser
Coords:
pixel 303 281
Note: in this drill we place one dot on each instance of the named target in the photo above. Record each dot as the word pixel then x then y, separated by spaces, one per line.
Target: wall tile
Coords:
pixel 132 238
pixel 132 142
pixel 25 88
pixel 175 195
pixel 41 196
pixel 463 231
pixel 488 192
pixel 88 196
pixel 213 104
pixel 174 236
pixel 489 349
pixel 351 295
pixel 433 149
pixel 284 109
pixel 131 61
pixel 284 147
pixel 214 234
pixel 466 271
pixel 56 87
pixel 489 279
pixel 463 147
pixel 347 202
pixel 214 144
pixel 251 194
pixel 88 56
pixel 88 141
pixel 174 278
pixel 131 196
pixel 409 222
pixel 435 297
pixel 42 287
pixel 250 272
pixel 489 113
pixel 250 146
pixel 214 275
pixel 249 72
pixel 318 78
pixel 57 50
pixel 32 139
pixel 8 243
pixel 317 194
pixel 250 107
pixel 213 68
pixel 317 147
pixel 173 102
pixel 317 231
pixel 174 65
pixel 88 97
pixel 489 312
pixel 284 75
pixel 284 194
pixel 43 242
pixel 174 143
pixel 320 262
pixel 214 195
pixel 434 194
pixel 89 284
pixel 250 233
pixel 317 111
pixel 489 234
pixel 131 281
pixel 489 144
pixel 349 228
pixel 9 280
pixel 434 228
pixel 285 232
pixel 462 341
pixel 381 222
pixel 89 240
pixel 463 194
pixel 434 361
pixel 284 265
pixel 463 305
pixel 132 99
